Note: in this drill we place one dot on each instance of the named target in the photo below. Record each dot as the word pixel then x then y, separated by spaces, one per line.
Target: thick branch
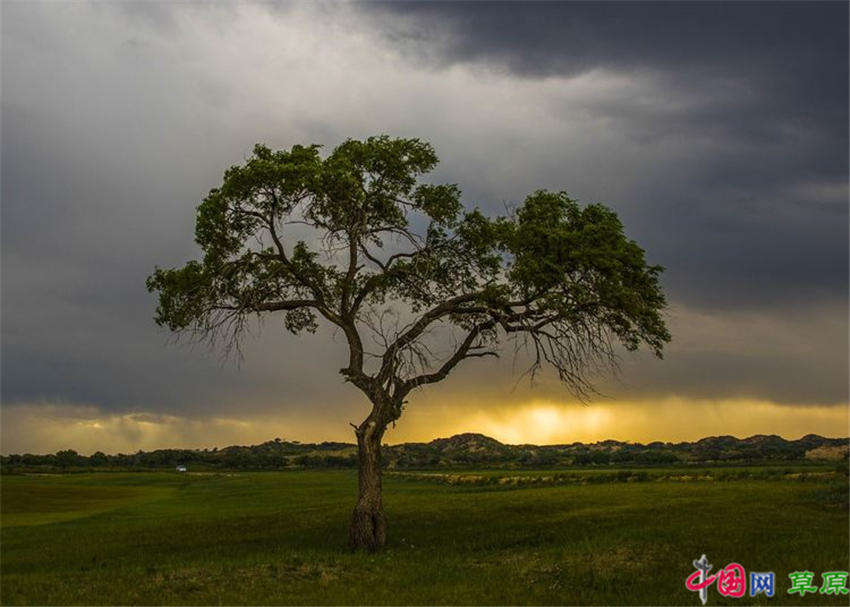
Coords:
pixel 418 328
pixel 465 350
pixel 353 268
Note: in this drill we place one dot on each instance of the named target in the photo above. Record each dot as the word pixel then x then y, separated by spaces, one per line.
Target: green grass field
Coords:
pixel 279 538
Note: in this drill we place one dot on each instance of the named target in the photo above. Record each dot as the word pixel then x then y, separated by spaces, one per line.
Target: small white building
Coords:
pixel 181 468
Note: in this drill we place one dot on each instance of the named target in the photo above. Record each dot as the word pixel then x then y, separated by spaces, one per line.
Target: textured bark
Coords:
pixel 368 529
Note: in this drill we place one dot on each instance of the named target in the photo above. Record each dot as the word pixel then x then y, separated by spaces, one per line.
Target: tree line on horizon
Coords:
pixel 465 450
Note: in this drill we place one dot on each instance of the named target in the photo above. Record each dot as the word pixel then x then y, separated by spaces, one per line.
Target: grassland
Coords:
pixel 279 537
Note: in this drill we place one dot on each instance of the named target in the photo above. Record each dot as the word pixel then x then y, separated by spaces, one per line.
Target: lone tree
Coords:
pixel 416 283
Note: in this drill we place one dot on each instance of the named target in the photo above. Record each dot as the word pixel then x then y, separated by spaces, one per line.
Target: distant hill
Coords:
pixel 461 450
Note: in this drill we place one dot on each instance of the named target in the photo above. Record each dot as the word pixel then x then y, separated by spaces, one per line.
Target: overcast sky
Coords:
pixel 717 131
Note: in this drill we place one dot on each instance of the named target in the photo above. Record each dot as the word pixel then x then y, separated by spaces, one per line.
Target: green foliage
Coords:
pixel 338 237
pixel 580 264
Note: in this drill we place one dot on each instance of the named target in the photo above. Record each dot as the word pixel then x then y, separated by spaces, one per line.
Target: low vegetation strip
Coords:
pixel 621 476
pixel 462 451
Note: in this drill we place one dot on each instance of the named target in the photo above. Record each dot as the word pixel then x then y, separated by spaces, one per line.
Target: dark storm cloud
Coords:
pixel 794 45
pixel 106 152
pixel 761 218
pixel 718 131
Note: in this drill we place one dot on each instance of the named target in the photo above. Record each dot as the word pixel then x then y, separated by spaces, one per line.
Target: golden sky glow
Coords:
pixel 48 428
pixel 672 419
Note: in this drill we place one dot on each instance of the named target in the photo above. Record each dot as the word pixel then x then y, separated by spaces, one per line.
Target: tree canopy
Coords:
pixel 355 236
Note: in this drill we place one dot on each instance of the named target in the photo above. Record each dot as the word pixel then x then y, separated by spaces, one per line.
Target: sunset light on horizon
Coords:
pixel 49 428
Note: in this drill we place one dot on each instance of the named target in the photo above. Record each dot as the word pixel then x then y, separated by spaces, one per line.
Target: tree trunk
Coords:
pixel 368 529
